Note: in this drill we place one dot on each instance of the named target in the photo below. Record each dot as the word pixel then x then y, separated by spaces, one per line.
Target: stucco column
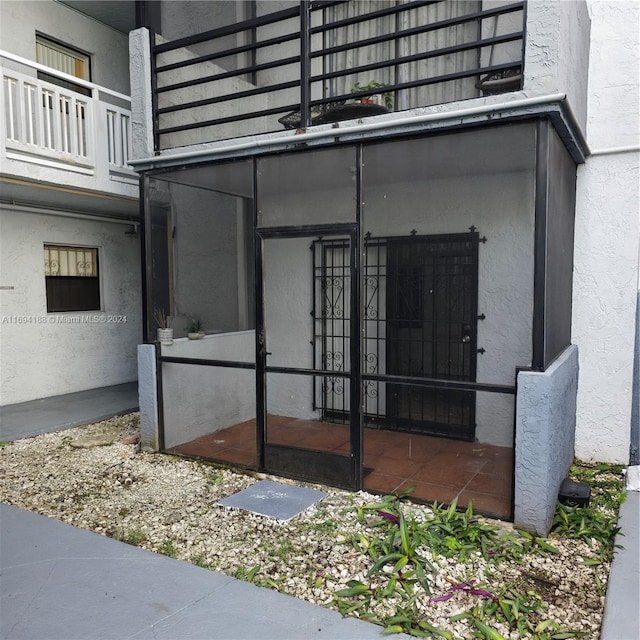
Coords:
pixel 545 438
pixel 148 398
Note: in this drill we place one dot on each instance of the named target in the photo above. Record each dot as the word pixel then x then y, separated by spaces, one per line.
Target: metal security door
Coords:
pixel 432 292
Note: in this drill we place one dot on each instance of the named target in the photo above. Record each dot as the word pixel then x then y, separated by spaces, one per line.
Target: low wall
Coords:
pixel 199 399
pixel 545 438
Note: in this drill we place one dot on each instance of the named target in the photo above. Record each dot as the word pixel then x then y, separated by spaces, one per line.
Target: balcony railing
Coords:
pixel 85 129
pixel 313 62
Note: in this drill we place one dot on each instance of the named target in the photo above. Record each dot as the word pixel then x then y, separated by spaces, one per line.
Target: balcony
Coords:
pixel 64 131
pixel 323 62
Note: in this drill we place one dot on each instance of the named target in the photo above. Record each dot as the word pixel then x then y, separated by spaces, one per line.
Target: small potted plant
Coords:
pixel 195 330
pixel 165 330
pixel 383 98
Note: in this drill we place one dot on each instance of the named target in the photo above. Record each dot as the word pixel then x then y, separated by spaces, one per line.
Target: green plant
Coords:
pixel 195 325
pixel 595 523
pixel 134 537
pixel 523 613
pixel 167 548
pixel 371 86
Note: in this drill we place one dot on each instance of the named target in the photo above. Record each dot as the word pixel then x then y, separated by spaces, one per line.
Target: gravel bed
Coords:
pixel 167 504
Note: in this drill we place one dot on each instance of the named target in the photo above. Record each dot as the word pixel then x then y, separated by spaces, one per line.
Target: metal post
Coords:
pixel 305 63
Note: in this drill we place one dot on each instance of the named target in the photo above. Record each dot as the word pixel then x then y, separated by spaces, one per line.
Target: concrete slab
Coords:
pixel 46 415
pixel 61 582
pixel 622 611
pixel 274 499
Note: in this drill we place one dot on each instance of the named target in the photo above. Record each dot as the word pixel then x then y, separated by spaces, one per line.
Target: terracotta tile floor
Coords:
pixel 439 469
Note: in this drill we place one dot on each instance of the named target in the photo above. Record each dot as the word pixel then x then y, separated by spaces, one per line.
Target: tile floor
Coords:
pixel 439 469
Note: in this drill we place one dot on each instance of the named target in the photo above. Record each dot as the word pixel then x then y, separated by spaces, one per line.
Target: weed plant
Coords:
pixel 402 551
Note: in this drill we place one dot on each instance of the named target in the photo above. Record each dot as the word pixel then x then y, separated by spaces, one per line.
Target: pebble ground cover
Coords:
pixel 428 571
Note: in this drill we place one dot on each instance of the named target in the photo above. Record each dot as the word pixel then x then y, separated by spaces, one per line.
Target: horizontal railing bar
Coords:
pixel 208 362
pixel 373 15
pixel 252 23
pixel 436 383
pixel 316 373
pixel 436 53
pixel 425 82
pixel 234 118
pixel 263 44
pixel 275 110
pixel 431 383
pixel 335 74
pixel 434 26
pixel 229 96
pixel 230 74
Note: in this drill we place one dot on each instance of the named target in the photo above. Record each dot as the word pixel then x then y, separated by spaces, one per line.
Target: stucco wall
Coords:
pixel 608 236
pixel 545 421
pixel 44 354
pixel 557 52
pixel 20 21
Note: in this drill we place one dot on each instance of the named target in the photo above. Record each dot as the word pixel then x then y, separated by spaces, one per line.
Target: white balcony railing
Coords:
pixel 53 126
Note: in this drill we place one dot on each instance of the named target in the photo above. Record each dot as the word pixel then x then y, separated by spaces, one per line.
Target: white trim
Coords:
pixel 66 165
pixel 613 150
pixel 65 214
pixel 65 76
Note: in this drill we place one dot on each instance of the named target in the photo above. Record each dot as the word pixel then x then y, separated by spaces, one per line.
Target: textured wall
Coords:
pixel 44 355
pixel 108 48
pixel 545 421
pixel 608 236
pixel 148 397
pixel 141 100
pixel 556 54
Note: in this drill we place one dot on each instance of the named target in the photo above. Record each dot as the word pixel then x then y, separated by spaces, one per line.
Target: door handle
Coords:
pixel 466 339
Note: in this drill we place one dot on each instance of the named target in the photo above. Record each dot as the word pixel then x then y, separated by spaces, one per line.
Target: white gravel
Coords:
pixel 167 504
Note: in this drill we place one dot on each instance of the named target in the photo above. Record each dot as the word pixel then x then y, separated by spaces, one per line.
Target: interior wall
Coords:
pixel 288 293
pixel 210 258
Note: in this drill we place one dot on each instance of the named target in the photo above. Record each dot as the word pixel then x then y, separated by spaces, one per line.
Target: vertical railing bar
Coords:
pixel 74 121
pixel 19 114
pixel 124 137
pixel 10 93
pixel 56 111
pixel 154 93
pixel 111 148
pixel 30 92
pixel 305 64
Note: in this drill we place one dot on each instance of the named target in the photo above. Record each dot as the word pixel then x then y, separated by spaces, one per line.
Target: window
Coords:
pixel 65 59
pixel 71 275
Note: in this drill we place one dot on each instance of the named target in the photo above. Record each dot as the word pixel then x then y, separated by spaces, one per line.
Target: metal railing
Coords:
pixel 289 68
pixel 80 128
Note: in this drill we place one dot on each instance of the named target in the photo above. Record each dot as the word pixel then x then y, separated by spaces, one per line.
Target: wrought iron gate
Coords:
pixel 420 321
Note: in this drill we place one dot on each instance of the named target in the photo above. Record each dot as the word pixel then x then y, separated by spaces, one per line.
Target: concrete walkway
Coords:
pixel 622 606
pixel 61 582
pixel 27 419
